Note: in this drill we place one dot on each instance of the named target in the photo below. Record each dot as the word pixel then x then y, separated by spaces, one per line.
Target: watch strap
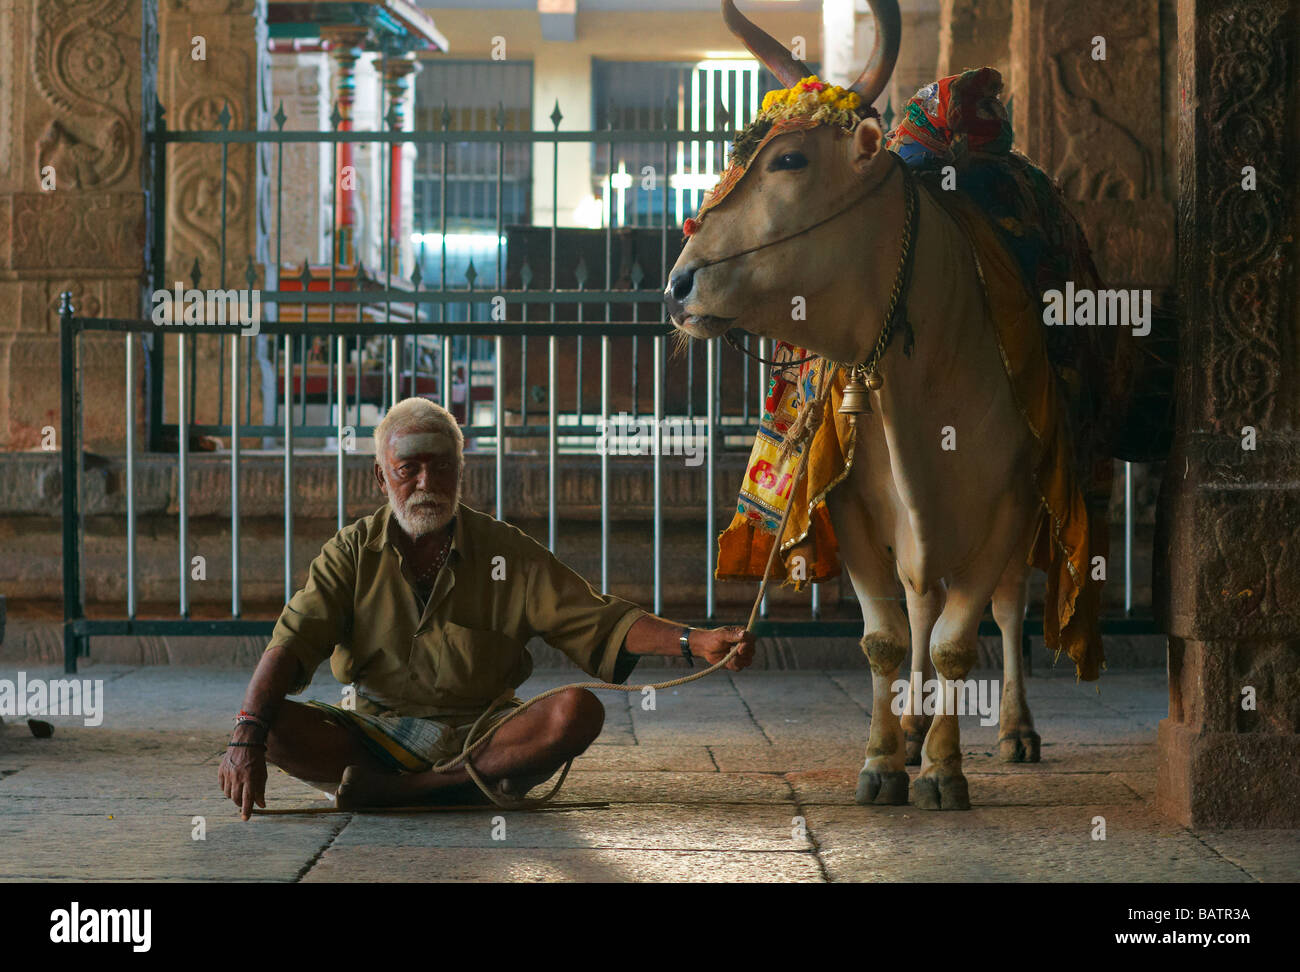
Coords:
pixel 685 642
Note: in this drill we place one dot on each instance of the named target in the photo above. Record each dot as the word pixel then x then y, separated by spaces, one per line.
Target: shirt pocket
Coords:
pixel 473 665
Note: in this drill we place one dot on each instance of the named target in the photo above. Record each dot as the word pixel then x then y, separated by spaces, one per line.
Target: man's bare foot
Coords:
pixel 361 787
pixel 515 787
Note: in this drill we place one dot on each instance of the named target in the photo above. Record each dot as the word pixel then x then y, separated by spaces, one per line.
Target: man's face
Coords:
pixel 422 481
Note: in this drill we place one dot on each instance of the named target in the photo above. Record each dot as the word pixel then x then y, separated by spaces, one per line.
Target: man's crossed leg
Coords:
pixel 311 744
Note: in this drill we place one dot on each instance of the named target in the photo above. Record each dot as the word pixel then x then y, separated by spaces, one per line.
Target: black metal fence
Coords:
pixel 409 337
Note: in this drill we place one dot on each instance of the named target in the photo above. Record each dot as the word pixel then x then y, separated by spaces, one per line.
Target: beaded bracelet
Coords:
pixel 231 744
pixel 246 716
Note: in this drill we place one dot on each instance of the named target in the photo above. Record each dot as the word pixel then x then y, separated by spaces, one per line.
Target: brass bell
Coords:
pixel 855 401
pixel 874 381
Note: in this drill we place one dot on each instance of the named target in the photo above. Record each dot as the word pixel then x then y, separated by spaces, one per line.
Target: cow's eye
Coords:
pixel 789 160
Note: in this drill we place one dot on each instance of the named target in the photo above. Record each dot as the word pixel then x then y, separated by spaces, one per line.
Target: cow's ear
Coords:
pixel 867 140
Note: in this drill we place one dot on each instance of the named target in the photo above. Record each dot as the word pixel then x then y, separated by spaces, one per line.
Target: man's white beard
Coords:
pixel 423 520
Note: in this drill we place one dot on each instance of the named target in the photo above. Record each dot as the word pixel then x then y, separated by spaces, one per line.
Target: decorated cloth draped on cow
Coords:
pixel 1026 243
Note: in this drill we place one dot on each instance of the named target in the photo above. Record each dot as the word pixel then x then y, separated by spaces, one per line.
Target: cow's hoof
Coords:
pixel 888 787
pixel 913 742
pixel 1023 746
pixel 934 792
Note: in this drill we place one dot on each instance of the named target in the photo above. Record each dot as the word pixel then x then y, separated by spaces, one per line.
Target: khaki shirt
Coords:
pixel 466 646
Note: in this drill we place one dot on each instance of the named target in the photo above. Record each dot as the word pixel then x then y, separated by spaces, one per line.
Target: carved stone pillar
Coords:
pixel 1086 82
pixel 974 34
pixel 214 61
pixel 211 62
pixel 1230 584
pixel 301 83
pixel 72 205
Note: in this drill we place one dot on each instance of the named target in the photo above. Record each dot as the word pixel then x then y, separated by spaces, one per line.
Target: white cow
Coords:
pixel 954 525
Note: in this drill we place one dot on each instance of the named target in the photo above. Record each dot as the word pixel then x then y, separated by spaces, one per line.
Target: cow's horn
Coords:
pixel 767 48
pixel 889 29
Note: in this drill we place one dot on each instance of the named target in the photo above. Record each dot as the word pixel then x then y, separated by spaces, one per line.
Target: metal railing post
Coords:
pixel 658 345
pixel 710 525
pixel 70 420
pixel 130 475
pixel 235 338
pixel 288 462
pixel 603 438
pixel 498 390
pixel 552 447
pixel 552 524
pixel 1128 539
pixel 182 473
pixel 340 419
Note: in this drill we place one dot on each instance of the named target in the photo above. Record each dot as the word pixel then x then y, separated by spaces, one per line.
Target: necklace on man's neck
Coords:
pixel 426 576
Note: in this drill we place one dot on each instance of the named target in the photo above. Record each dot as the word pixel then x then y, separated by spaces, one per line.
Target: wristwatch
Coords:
pixel 685 642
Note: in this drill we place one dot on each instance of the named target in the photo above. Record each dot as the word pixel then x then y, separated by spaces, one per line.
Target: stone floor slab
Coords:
pixel 1042 789
pixel 562 865
pixel 158 846
pixel 641 826
pixel 687 757
pixel 787 758
pixel 1023 844
pixel 1266 855
pixel 690 788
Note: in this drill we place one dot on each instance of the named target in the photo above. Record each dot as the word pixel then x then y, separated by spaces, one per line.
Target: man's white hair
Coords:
pixel 417 415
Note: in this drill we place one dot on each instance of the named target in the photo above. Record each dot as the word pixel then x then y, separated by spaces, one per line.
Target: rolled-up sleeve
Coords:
pixel 319 616
pixel 571 616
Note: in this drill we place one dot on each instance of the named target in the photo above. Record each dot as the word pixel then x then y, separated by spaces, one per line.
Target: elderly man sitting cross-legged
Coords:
pixel 424 609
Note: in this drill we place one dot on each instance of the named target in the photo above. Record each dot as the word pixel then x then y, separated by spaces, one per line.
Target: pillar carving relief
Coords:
pixel 1087 86
pixel 72 209
pixel 302 88
pixel 1229 583
pixel 214 62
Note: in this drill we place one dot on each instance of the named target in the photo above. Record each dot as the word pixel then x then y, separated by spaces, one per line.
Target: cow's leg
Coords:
pixel 883 778
pixel 922 612
pixel 941 784
pixel 953 647
pixel 1017 740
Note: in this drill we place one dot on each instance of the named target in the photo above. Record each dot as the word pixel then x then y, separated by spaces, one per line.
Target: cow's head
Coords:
pixel 792 170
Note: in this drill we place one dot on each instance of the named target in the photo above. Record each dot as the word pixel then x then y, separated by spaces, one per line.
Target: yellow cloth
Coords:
pixel 743 548
pixel 1067 537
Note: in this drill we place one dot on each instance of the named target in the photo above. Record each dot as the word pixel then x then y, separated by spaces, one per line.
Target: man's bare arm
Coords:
pixel 276 673
pixel 243 770
pixel 652 635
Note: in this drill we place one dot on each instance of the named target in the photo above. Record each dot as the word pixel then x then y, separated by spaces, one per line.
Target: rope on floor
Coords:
pixel 802 437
